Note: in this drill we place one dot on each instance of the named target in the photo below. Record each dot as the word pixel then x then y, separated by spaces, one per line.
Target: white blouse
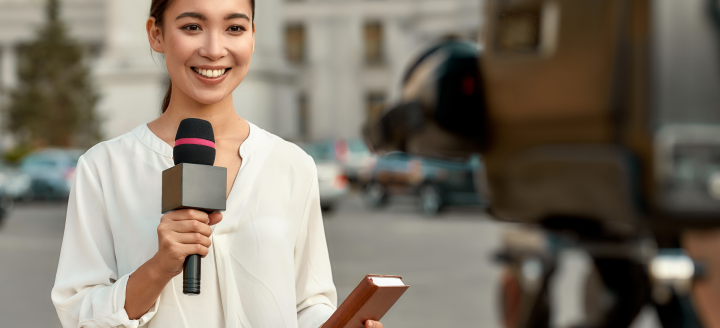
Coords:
pixel 268 266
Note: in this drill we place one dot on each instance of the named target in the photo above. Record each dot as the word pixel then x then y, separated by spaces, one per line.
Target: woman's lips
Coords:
pixel 209 76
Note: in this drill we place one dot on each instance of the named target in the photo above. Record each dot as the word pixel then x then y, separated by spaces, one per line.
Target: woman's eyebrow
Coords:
pixel 237 15
pixel 192 15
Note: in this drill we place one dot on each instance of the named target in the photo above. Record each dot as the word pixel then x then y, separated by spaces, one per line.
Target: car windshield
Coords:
pixel 320 152
pixel 51 158
pixel 397 155
pixel 357 146
pixel 37 162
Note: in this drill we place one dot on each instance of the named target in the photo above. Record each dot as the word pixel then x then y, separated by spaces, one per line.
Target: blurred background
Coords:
pixel 77 72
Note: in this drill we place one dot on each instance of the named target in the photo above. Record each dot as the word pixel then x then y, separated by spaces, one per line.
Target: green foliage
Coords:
pixel 16 154
pixel 54 101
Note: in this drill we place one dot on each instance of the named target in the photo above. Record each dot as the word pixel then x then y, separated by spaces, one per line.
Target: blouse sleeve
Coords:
pixel 316 295
pixel 88 291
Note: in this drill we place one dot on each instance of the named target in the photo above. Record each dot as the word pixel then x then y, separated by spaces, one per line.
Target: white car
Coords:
pixel 332 182
pixel 14 183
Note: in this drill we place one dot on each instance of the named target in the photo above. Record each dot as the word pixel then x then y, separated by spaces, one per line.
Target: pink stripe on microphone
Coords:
pixel 194 141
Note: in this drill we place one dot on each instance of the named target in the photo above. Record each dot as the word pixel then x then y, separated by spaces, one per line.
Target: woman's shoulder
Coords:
pixel 121 147
pixel 284 152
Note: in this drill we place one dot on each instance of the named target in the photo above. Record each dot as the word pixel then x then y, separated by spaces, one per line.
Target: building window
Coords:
pixel 373 43
pixel 295 43
pixel 374 104
pixel 303 116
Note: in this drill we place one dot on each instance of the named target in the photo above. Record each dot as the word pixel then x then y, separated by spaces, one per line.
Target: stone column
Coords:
pixel 348 59
pixel 8 67
pixel 267 96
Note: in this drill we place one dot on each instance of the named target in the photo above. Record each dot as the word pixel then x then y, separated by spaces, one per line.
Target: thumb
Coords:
pixel 215 218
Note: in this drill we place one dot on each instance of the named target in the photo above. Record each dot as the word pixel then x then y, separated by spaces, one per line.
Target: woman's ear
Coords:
pixel 154 35
pixel 253 37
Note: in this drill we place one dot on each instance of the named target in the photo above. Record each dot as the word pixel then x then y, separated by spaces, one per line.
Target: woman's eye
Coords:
pixel 236 28
pixel 191 27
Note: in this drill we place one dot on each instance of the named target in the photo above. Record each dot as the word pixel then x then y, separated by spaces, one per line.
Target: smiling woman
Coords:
pixel 192 22
pixel 265 261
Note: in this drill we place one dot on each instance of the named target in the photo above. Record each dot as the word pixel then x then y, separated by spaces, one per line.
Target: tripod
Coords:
pixel 626 275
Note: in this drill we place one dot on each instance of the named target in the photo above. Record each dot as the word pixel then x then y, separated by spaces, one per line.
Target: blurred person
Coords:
pixel 266 260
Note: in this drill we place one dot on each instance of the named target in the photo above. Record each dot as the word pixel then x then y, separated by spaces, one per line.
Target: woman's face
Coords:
pixel 207 44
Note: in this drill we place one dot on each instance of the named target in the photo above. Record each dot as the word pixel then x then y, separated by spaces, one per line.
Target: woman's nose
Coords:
pixel 213 48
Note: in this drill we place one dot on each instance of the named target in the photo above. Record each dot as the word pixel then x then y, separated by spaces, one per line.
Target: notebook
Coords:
pixel 370 300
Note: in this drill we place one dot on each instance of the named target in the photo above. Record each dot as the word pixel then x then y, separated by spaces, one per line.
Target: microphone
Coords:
pixel 194 183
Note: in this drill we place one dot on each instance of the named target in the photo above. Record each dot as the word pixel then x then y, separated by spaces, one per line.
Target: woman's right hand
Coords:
pixel 182 233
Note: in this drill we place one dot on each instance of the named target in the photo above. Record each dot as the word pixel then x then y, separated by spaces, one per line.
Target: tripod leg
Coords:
pixel 627 283
pixel 678 311
pixel 524 305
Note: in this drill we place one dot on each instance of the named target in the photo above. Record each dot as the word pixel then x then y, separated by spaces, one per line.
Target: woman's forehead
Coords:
pixel 210 8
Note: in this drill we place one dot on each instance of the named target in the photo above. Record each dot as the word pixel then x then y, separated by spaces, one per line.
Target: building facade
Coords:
pixel 319 70
pixel 349 55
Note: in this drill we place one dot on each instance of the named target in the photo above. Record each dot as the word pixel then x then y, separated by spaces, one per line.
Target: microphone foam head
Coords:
pixel 194 142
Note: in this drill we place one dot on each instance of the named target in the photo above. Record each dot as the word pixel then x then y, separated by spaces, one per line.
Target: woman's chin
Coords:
pixel 206 99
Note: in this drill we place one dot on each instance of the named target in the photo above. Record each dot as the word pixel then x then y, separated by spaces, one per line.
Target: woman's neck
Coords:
pixel 227 124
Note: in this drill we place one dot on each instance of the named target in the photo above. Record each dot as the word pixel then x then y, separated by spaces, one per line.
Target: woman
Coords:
pixel 265 258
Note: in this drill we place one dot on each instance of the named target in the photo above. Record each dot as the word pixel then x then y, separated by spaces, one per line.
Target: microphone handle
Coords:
pixel 191 275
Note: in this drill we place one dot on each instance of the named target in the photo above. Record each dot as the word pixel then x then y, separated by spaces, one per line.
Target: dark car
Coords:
pixel 51 171
pixel 434 182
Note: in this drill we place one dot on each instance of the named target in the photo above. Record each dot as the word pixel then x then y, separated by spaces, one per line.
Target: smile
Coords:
pixel 210 73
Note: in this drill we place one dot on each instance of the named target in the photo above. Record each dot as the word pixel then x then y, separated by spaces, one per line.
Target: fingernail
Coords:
pixel 370 324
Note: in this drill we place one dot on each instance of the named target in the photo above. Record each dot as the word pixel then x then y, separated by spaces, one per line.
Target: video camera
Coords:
pixel 596 119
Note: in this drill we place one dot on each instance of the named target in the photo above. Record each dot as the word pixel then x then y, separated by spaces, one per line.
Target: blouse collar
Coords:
pixel 150 140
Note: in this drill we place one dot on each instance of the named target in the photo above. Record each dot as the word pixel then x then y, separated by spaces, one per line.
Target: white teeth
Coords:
pixel 210 73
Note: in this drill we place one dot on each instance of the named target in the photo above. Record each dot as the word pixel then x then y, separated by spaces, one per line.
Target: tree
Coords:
pixel 54 101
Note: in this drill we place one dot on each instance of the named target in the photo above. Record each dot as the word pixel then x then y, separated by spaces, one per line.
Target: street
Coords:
pixel 446 260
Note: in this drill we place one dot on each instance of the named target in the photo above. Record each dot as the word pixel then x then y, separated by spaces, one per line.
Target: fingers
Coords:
pixel 193 238
pixel 373 324
pixel 183 250
pixel 188 214
pixel 190 226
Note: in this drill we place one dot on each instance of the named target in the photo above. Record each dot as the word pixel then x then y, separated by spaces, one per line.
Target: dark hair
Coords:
pixel 157 10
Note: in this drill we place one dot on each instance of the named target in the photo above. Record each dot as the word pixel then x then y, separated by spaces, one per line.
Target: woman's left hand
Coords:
pixel 371 324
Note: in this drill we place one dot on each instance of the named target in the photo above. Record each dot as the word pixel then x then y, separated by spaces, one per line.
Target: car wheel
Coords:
pixel 6 205
pixel 27 196
pixel 430 200
pixel 375 195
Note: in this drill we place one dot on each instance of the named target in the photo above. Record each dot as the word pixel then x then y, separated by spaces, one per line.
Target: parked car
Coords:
pixel 332 183
pixel 15 184
pixel 434 182
pixel 6 205
pixel 351 154
pixel 51 171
